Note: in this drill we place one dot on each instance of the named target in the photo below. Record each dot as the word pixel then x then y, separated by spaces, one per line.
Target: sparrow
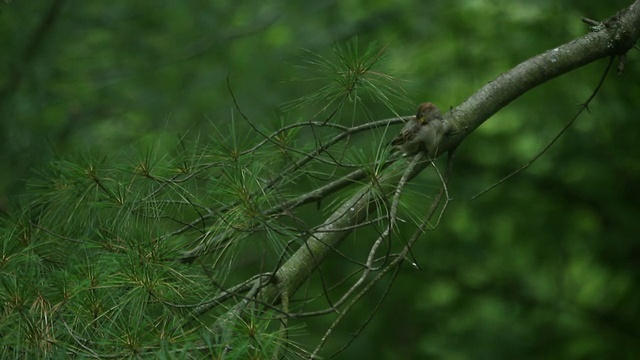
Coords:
pixel 421 133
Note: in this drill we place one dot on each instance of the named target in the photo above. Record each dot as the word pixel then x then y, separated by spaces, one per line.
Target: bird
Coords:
pixel 421 133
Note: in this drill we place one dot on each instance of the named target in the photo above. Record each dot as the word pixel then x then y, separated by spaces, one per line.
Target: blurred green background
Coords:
pixel 544 266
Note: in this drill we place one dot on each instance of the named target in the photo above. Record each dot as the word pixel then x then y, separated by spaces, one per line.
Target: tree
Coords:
pixel 210 248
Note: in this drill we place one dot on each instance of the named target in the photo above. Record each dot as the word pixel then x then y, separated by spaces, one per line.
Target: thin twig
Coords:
pixel 584 106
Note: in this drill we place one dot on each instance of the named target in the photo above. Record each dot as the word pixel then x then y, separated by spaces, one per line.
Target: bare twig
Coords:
pixel 583 107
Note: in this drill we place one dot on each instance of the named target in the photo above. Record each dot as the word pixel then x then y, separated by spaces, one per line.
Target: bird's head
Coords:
pixel 426 112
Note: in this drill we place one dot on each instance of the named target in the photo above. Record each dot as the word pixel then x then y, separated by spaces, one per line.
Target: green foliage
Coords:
pixel 90 266
pixel 349 76
pixel 97 261
pixel 543 266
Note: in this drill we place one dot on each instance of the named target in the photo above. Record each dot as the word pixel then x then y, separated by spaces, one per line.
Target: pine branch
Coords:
pixel 615 37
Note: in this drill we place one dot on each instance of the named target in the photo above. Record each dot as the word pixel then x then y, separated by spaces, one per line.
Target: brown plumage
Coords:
pixel 421 133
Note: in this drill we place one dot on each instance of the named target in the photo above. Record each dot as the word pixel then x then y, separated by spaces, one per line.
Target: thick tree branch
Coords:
pixel 293 273
pixel 614 37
